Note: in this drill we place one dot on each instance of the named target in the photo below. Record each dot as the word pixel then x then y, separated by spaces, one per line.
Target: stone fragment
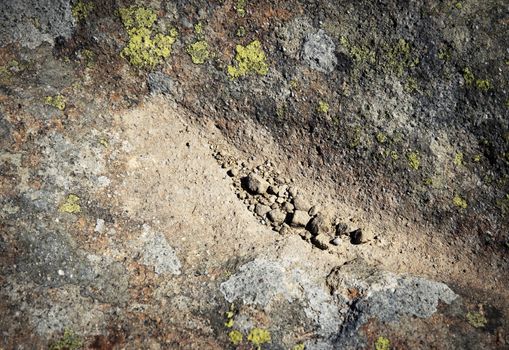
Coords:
pixel 313 210
pixel 273 190
pixel 301 203
pixel 360 236
pixel 285 230
pixel 287 206
pixel 337 241
pixel 321 241
pixel 341 229
pixel 233 172
pixel 319 225
pixel 255 184
pixel 261 209
pixel 300 218
pixel 277 216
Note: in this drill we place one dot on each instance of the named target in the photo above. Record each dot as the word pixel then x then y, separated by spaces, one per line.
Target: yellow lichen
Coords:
pixel 414 160
pixel 57 101
pixel 382 343
pixel 259 336
pixel 229 323
pixel 323 107
pixel 250 59
pixel 81 10
pixel 477 319
pixel 360 53
pixel 240 7
pixel 468 76
pixel 483 84
pixel 460 202
pixel 235 337
pixel 198 28
pixel 71 205
pixel 299 347
pixel 458 159
pixel 145 49
pixel 199 52
pixel 400 57
pixel 381 137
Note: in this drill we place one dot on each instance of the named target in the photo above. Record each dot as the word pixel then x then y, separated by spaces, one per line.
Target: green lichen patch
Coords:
pixel 359 53
pixel 250 59
pixel 240 7
pixel 88 57
pixel 145 48
pixel 199 52
pixel 458 159
pixel 477 319
pixel 414 160
pixel 235 337
pixel 470 80
pixel 69 341
pixel 382 343
pixel 71 205
pixel 400 57
pixel 460 202
pixel 57 101
pixel 381 137
pixel 81 10
pixel 323 107
pixel 299 347
pixel 483 84
pixel 137 17
pixel 468 76
pixel 198 28
pixel 259 336
pixel 241 32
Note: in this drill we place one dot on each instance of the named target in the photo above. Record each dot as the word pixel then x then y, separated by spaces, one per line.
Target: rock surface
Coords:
pixel 143 195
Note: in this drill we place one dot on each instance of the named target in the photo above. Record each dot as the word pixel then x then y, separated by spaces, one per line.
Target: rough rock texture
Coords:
pixel 318 52
pixel 34 22
pixel 125 216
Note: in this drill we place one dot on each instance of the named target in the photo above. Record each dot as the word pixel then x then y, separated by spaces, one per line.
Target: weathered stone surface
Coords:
pixel 301 203
pixel 255 184
pixel 157 252
pixel 277 216
pixel 262 209
pixel 385 295
pixel 313 210
pixel 319 225
pixel 50 19
pixel 318 52
pixel 300 218
pixel 360 236
pixel 321 241
pixel 288 207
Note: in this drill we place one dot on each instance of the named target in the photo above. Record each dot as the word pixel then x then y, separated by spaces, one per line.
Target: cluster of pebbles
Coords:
pixel 275 201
